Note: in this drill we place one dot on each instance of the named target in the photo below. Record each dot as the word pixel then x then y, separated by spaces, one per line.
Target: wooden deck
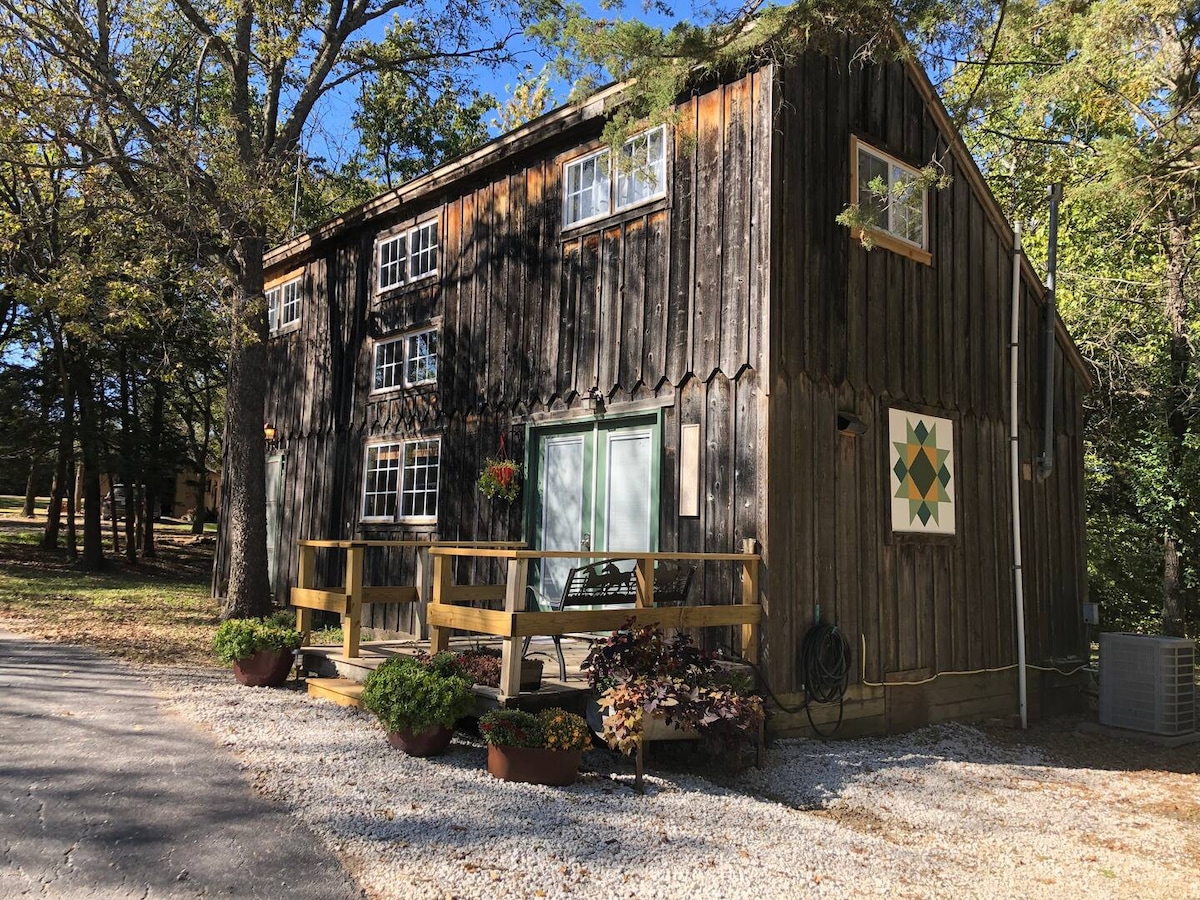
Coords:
pixel 337 677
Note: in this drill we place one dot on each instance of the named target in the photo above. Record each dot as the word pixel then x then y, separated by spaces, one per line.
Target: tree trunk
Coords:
pixel 92 558
pixel 128 477
pixel 1176 312
pixel 153 465
pixel 66 450
pixel 249 593
pixel 27 508
pixel 201 510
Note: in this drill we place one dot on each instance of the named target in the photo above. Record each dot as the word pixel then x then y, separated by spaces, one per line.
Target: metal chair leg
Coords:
pixel 562 663
pixel 525 646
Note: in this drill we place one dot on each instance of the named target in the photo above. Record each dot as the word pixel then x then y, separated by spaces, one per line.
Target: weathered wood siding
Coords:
pixel 857 331
pixel 658 303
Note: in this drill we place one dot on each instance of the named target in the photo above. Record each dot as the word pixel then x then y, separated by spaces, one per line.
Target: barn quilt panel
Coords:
pixel 922 472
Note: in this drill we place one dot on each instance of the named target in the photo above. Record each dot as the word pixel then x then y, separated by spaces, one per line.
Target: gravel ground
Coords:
pixel 943 812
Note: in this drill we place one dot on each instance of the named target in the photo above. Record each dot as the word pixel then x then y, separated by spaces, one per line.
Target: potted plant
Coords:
pixel 649 687
pixel 500 478
pixel 418 701
pixel 546 748
pixel 262 651
pixel 481 665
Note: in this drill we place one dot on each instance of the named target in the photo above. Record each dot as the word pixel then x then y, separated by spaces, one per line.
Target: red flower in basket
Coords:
pixel 500 478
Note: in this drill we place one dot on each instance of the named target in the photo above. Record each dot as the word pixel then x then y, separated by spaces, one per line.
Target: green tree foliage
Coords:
pixel 1102 96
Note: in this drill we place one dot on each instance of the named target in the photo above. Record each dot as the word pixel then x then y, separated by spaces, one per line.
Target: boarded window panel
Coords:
pixel 689 470
pixel 628 514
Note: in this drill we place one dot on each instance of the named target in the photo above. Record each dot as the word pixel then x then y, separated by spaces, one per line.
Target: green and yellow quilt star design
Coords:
pixel 922 465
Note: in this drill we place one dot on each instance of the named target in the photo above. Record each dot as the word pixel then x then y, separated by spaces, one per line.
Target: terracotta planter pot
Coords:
pixel 430 742
pixel 534 765
pixel 266 668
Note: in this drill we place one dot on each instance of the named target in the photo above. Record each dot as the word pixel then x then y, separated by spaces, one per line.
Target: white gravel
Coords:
pixel 942 812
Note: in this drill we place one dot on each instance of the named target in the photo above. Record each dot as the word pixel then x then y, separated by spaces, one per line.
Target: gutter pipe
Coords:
pixel 1015 471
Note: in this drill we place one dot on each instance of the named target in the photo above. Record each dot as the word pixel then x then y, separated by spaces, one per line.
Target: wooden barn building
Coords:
pixel 689 352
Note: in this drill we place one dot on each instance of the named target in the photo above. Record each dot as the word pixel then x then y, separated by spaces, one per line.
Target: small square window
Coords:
pixel 408 257
pixel 381 481
pixel 588 188
pixel 889 197
pixel 419 493
pixel 392 260
pixel 423 250
pixel 407 361
pixel 643 174
pixel 283 304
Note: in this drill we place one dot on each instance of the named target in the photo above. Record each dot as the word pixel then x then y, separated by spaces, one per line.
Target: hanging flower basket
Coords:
pixel 500 479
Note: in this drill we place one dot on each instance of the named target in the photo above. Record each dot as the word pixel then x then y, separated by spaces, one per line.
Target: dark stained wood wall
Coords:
pixel 857 331
pixel 661 303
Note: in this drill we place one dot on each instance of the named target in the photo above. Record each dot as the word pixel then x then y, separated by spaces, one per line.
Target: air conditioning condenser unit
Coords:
pixel 1148 683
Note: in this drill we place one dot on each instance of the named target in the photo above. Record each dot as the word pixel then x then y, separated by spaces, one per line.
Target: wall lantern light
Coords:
pixel 269 431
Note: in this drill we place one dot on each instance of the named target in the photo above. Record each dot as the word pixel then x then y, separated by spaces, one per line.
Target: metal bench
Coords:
pixel 605 585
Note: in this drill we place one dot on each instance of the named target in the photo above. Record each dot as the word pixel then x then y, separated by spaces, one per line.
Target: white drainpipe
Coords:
pixel 1015 458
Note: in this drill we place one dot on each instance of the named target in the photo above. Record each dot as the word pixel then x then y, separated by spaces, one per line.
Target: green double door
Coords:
pixel 597 489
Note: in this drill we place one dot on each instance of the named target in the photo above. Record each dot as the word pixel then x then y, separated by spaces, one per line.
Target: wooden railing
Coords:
pixel 349 599
pixel 513 623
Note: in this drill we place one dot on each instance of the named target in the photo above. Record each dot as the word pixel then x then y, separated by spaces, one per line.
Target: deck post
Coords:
pixel 424 586
pixel 514 602
pixel 352 618
pixel 439 638
pixel 750 598
pixel 306 578
pixel 645 582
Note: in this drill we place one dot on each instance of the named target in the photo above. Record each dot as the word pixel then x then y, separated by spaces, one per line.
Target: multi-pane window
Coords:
pixel 406 361
pixel 283 303
pixel 400 481
pixel 590 191
pixel 890 196
pixel 408 256
pixel 643 171
pixel 381 481
pixel 588 188
pixel 419 490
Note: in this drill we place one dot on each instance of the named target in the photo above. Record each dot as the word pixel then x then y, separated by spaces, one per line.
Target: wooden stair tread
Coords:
pixel 342 691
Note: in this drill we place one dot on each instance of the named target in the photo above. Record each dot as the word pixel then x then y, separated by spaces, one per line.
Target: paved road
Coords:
pixel 103 794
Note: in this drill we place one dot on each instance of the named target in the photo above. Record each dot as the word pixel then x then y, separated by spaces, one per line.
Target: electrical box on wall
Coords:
pixel 1091 614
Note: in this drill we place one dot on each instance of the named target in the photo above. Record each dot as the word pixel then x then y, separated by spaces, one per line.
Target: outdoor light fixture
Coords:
pixel 269 431
pixel 849 423
pixel 593 400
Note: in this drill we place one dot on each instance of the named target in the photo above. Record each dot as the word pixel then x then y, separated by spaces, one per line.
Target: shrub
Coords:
pixel 638 672
pixel 239 639
pixel 409 694
pixel 511 728
pixel 562 730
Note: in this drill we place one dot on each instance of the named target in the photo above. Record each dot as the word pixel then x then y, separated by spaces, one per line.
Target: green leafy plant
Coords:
pixel 551 729
pixel 511 728
pixel 409 694
pixel 639 672
pixel 500 478
pixel 239 639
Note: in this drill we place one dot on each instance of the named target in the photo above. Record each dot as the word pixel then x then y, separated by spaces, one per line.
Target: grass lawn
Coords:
pixel 158 611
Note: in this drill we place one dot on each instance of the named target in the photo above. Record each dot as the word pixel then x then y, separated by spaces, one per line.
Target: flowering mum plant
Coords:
pixel 500 478
pixel 551 729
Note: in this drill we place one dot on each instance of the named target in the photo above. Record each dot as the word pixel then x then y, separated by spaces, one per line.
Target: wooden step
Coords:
pixel 342 691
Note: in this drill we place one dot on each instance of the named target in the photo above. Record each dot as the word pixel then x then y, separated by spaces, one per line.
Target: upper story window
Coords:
pixel 400 481
pixel 408 256
pixel 590 191
pixel 889 194
pixel 283 303
pixel 407 361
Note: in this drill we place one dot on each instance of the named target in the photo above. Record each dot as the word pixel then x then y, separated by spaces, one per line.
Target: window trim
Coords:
pixel 614 179
pixel 397 518
pixel 405 337
pixel 883 238
pixel 279 285
pixel 406 233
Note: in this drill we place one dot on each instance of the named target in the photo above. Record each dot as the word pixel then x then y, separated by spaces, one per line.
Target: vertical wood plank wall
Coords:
pixel 660 302
pixel 856 331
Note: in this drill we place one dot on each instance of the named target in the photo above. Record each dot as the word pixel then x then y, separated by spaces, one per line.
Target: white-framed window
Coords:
pixel 590 191
pixel 408 256
pixel 406 361
pixel 888 194
pixel 283 303
pixel 642 175
pixel 400 481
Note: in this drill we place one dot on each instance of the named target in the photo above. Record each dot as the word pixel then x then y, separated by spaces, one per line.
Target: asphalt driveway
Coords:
pixel 105 794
